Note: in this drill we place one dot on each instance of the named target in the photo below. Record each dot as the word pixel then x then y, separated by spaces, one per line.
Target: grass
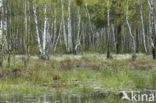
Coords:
pixel 85 73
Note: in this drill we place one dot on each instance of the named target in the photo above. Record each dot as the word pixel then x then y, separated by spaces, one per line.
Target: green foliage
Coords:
pixel 79 2
pixel 97 10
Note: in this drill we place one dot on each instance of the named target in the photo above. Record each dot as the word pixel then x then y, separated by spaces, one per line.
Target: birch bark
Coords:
pixel 1 32
pixel 108 29
pixel 63 24
pixel 37 29
pixel 152 30
pixel 1 21
pixel 114 37
pixel 45 32
pixel 143 28
pixel 25 36
pixel 69 49
pixel 130 32
pixel 78 29
pixel 91 38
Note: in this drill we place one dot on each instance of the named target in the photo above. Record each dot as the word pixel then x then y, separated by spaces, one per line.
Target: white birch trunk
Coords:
pixel 90 25
pixel 108 29
pixel 1 32
pixel 152 27
pixel 25 36
pixel 55 30
pixel 69 49
pixel 150 32
pixel 78 29
pixel 151 22
pixel 5 20
pixel 83 34
pixel 130 32
pixel 86 5
pixel 114 37
pixel 143 29
pixel 150 3
pixel 155 25
pixel 37 30
pixel 1 21
pixel 63 24
pixel 45 31
pixel 59 35
pixel 25 13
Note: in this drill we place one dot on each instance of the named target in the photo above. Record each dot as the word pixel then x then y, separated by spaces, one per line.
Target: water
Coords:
pixel 59 98
pixel 65 98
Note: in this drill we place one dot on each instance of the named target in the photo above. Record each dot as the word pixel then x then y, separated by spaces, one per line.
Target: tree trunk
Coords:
pixel 114 37
pixel 59 35
pixel 78 30
pixel 108 30
pixel 37 29
pixel 26 36
pixel 132 36
pixel 45 33
pixel 118 45
pixel 70 44
pixel 91 36
pixel 143 29
pixel 137 41
pixel 154 53
pixel 151 27
pixel 1 32
pixel 63 24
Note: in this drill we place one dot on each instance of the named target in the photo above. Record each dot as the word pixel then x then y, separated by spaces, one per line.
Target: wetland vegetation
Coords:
pixel 87 74
pixel 77 51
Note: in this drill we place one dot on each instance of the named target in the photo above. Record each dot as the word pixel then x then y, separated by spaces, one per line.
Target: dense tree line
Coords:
pixel 42 27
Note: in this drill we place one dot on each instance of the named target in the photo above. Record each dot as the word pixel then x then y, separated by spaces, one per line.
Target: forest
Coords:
pixel 90 48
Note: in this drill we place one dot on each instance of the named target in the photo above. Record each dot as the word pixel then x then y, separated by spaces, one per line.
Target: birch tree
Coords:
pixel 37 29
pixel 26 35
pixel 45 32
pixel 130 32
pixel 108 29
pixel 1 31
pixel 142 24
pixel 91 38
pixel 42 50
pixel 114 37
pixel 63 24
pixel 70 44
pixel 1 25
pixel 52 32
pixel 78 29
pixel 151 27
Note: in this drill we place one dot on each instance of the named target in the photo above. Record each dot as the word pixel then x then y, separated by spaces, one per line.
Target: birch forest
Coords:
pixel 58 42
pixel 45 27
